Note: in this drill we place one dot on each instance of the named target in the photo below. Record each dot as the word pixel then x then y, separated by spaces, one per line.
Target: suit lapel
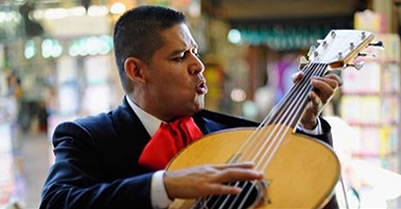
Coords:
pixel 130 128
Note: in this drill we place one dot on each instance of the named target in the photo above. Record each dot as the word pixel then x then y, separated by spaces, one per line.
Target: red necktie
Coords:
pixel 169 139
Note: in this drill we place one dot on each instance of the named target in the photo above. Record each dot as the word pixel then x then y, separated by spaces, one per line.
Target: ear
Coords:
pixel 134 68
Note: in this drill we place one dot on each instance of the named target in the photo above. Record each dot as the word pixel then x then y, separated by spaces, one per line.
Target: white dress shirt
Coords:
pixel 158 196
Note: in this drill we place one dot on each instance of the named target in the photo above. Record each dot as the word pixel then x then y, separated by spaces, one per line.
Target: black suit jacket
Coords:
pixel 96 164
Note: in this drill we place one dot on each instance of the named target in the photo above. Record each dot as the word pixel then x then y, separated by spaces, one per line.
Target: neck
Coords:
pixel 141 103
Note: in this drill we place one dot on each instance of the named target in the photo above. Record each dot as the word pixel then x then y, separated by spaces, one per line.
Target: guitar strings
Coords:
pixel 320 72
pixel 306 79
pixel 275 140
pixel 266 163
pixel 301 85
pixel 244 148
pixel 259 131
pixel 268 118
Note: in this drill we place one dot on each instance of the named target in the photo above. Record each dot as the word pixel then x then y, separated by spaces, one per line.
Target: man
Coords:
pixel 100 160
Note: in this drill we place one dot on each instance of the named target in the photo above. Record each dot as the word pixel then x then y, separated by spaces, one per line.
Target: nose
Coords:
pixel 196 66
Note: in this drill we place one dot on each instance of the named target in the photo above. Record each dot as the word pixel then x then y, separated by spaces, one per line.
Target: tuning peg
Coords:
pixel 357 66
pixel 340 55
pixel 362 54
pixel 302 62
pixel 352 45
pixel 333 34
pixel 312 49
pixel 363 35
pixel 322 42
pixel 378 44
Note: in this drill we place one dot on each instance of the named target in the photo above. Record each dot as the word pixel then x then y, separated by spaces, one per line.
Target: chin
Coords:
pixel 200 103
pixel 193 107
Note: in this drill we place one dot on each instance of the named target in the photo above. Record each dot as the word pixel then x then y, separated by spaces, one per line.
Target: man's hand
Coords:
pixel 324 89
pixel 208 180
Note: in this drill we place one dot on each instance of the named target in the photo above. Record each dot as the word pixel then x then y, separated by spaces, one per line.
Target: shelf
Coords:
pixel 373 155
pixel 361 93
pixel 380 61
pixel 370 104
pixel 371 93
pixel 372 125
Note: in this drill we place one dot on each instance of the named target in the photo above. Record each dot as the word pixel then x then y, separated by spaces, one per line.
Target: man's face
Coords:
pixel 175 85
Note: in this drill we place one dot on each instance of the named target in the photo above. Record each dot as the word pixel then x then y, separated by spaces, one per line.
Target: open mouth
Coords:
pixel 202 87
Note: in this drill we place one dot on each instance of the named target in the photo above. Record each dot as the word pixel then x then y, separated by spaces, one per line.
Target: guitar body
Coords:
pixel 302 173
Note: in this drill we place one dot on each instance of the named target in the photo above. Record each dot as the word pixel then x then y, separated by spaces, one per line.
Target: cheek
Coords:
pixel 175 85
pixel 172 89
pixel 178 83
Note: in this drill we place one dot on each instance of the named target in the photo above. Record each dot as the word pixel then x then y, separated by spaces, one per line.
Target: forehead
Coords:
pixel 178 36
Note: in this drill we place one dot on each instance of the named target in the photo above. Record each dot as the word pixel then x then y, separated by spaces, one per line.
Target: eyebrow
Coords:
pixel 176 52
pixel 179 51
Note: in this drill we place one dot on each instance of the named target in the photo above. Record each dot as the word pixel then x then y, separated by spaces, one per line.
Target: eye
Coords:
pixel 196 53
pixel 179 58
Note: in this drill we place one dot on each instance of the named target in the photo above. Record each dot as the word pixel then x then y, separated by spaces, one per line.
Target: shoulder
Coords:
pixel 83 128
pixel 97 122
pixel 119 124
pixel 101 125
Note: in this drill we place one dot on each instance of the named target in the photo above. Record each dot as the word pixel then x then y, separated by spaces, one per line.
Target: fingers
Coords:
pixel 332 78
pixel 245 165
pixel 236 174
pixel 325 80
pixel 208 179
pixel 325 87
pixel 297 76
pixel 317 103
pixel 221 189
pixel 336 78
pixel 231 173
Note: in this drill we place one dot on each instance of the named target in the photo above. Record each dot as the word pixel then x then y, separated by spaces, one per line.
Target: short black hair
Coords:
pixel 137 34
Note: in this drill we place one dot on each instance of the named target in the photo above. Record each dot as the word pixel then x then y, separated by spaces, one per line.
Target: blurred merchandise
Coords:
pixel 370 104
pixel 214 74
pixel 7 177
pixel 370 21
pixel 371 72
pixel 68 85
pixel 370 180
pixel 11 179
pixel 97 97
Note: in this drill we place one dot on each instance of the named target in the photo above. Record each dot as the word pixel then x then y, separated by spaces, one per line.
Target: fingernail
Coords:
pixel 258 173
pixel 317 100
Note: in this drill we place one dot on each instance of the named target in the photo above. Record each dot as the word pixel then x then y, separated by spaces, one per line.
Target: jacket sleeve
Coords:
pixel 326 135
pixel 225 121
pixel 75 180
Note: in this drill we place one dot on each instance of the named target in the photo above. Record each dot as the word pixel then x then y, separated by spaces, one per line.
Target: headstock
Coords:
pixel 340 47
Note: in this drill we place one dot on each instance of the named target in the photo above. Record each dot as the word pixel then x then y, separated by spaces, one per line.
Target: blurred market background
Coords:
pixel 56 64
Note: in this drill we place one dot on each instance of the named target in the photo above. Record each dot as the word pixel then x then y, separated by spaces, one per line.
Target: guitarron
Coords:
pixel 299 171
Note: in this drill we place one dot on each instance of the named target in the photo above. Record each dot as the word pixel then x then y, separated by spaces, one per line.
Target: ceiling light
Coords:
pixel 117 8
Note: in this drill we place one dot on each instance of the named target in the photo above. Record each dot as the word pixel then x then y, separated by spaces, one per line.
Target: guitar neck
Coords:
pixel 290 109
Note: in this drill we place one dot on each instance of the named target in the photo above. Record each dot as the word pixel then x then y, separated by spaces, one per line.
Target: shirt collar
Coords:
pixel 150 122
